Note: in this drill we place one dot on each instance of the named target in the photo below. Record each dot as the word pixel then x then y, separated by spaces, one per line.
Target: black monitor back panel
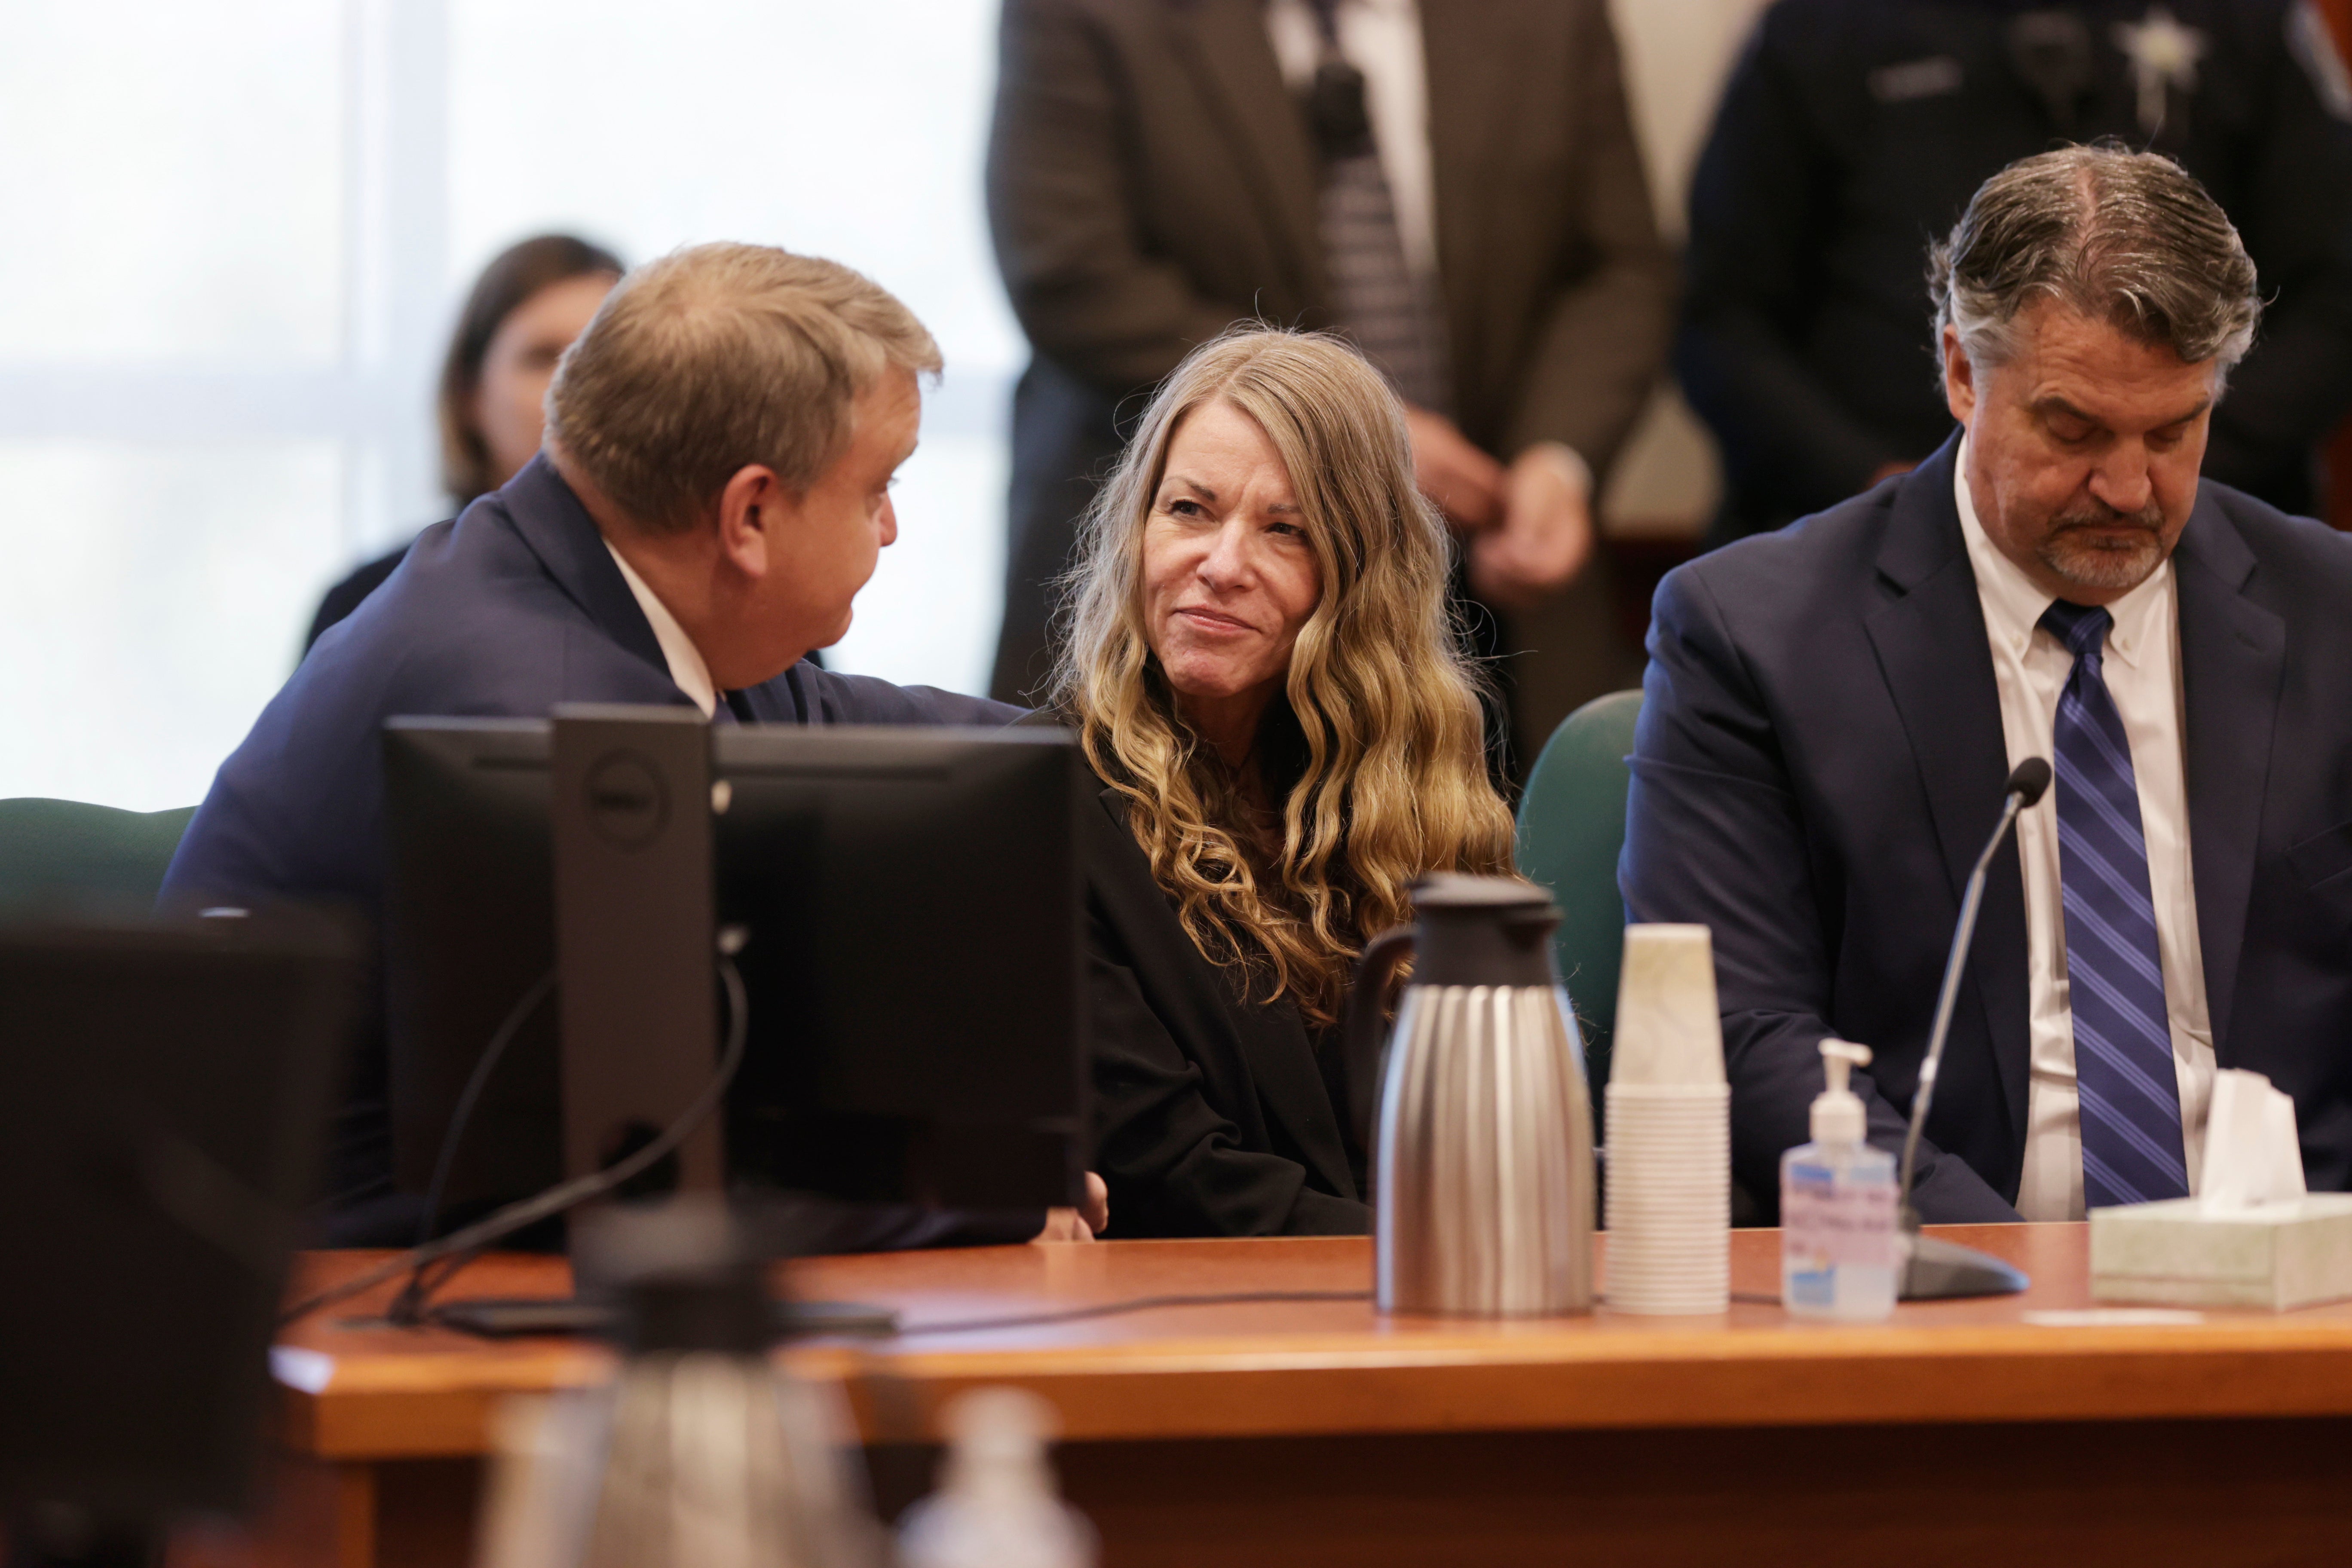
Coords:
pixel 914 963
pixel 164 1096
pixel 912 903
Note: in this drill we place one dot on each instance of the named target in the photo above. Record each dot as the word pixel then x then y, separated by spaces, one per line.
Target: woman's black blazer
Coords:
pixel 1211 1113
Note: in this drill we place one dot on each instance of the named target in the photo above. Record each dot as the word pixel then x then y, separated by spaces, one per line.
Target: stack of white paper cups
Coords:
pixel 1669 1184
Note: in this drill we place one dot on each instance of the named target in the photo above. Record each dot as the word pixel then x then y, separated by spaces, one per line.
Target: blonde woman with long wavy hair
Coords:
pixel 1261 667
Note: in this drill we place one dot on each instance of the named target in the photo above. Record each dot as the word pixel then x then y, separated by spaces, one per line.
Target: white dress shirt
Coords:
pixel 1380 39
pixel 686 667
pixel 2142 671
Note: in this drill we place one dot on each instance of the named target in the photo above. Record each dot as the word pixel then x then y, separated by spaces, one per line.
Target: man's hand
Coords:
pixel 1465 483
pixel 1079 1223
pixel 1545 536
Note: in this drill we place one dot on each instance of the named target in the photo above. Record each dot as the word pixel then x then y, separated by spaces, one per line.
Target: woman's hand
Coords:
pixel 1079 1223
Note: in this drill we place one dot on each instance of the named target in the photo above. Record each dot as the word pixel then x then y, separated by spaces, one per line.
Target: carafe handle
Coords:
pixel 1359 1035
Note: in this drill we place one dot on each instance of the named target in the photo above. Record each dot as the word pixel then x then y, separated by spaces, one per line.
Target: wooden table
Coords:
pixel 1317 1432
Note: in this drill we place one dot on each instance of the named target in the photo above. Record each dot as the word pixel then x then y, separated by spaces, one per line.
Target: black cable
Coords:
pixel 374 1186
pixel 409 1308
pixel 1153 1303
pixel 1229 1299
pixel 409 1304
pixel 530 1211
pixel 1134 1304
pixel 515 1019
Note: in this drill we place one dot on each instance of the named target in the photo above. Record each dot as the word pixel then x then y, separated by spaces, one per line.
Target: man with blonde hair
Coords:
pixel 713 492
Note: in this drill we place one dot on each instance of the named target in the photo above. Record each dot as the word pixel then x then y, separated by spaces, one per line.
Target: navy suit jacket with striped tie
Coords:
pixel 1820 759
pixel 510 609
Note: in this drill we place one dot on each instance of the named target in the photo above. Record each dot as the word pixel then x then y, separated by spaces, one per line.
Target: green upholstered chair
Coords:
pixel 67 855
pixel 1571 825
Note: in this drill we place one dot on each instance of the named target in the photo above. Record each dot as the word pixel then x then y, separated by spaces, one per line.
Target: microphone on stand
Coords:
pixel 1934 1269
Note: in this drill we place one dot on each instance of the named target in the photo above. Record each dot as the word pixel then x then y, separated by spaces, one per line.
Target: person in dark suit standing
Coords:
pixel 1831 711
pixel 525 309
pixel 713 492
pixel 1455 187
pixel 1852 129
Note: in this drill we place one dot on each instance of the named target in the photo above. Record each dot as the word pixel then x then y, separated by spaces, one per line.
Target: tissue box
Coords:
pixel 2292 1253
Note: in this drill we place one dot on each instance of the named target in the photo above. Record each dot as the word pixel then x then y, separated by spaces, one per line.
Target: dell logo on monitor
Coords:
pixel 627 806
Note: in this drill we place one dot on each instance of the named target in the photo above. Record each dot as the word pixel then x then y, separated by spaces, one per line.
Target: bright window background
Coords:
pixel 238 250
pixel 237 237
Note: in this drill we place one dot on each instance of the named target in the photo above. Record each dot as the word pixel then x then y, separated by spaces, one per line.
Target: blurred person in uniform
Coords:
pixel 1852 131
pixel 1455 188
pixel 528 305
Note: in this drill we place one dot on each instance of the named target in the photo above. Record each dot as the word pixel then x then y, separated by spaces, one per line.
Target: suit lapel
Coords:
pixel 1223 43
pixel 1932 651
pixel 2233 656
pixel 1470 58
pixel 560 532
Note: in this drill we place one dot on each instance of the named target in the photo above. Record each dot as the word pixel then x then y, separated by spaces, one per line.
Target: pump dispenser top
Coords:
pixel 997 1506
pixel 1838 1249
pixel 1838 1116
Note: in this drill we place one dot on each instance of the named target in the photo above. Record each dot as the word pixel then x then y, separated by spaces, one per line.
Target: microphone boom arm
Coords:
pixel 1933 1267
pixel 1953 967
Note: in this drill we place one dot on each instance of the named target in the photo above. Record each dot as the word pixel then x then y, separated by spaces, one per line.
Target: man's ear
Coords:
pixel 1959 377
pixel 753 508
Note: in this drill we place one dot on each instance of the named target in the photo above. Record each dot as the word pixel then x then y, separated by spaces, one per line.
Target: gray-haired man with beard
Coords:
pixel 1831 712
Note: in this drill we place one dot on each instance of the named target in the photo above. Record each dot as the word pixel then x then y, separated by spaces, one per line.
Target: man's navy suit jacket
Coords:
pixel 1820 760
pixel 513 607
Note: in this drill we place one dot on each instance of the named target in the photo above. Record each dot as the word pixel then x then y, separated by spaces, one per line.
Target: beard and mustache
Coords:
pixel 2070 549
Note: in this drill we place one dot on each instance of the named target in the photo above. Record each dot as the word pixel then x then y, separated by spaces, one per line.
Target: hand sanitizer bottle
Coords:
pixel 1838 1241
pixel 997 1506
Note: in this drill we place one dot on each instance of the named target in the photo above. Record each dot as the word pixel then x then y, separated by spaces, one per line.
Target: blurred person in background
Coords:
pixel 1455 188
pixel 1853 129
pixel 1267 682
pixel 528 305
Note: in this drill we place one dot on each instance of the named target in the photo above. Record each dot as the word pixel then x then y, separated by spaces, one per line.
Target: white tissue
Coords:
pixel 2250 1238
pixel 2252 1152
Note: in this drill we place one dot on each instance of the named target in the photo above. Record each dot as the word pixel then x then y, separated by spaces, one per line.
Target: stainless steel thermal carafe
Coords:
pixel 1482 1166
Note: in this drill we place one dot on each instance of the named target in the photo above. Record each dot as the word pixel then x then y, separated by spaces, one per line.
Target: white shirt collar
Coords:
pixel 686 667
pixel 2013 606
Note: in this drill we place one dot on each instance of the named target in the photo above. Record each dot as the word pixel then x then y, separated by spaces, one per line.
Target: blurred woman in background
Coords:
pixel 528 305
pixel 1264 676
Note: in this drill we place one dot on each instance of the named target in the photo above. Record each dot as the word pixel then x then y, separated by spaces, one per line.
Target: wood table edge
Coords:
pixel 1212 1389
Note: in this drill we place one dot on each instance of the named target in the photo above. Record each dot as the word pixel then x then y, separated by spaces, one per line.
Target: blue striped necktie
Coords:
pixel 2123 1047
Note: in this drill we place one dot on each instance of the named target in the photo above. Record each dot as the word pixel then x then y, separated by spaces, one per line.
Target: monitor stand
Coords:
pixel 636 939
pixel 1939 1270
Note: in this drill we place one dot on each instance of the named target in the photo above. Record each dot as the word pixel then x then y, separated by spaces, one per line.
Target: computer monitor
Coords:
pixel 911 901
pixel 164 1092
